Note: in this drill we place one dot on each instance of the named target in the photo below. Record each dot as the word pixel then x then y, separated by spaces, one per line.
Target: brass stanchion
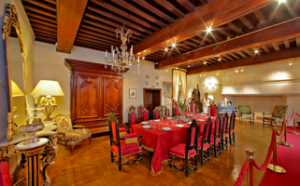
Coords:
pixel 250 157
pixel 294 126
pixel 274 167
pixel 285 143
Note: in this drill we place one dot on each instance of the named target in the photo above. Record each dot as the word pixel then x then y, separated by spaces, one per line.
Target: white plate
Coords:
pixel 156 120
pixel 169 118
pixel 189 122
pixel 146 126
pixel 166 128
pixel 200 120
pixel 144 122
pixel 179 126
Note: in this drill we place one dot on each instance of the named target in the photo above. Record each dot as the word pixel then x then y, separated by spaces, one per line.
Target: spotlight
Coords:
pixel 204 62
pixel 173 44
pixel 236 71
pixel 176 68
pixel 143 58
pixel 200 75
pixel 290 64
pixel 166 49
pixel 282 1
pixel 166 70
pixel 189 66
pixel 208 30
pixel 242 70
pixel 220 59
pixel 256 51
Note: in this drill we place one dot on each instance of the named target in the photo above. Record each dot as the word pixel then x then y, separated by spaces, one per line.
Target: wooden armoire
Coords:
pixel 96 91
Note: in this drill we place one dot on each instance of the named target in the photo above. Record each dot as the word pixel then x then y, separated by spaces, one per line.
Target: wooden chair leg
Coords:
pixel 196 162
pixel 230 138
pixel 202 157
pixel 187 167
pixel 220 150
pixel 215 148
pixel 141 157
pixel 171 162
pixel 120 163
pixel 208 154
pixel 72 148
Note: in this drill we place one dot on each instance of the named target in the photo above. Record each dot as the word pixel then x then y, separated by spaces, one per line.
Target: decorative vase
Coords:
pixel 182 113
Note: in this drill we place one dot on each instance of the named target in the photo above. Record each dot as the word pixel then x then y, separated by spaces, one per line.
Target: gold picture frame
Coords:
pixel 132 93
pixel 167 89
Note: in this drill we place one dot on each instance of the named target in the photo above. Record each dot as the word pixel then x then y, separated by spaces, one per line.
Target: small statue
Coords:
pixel 197 101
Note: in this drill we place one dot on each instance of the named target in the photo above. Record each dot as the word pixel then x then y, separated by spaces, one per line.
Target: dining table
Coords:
pixel 160 142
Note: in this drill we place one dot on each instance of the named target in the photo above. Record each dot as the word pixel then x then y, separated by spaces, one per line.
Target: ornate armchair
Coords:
pixel 140 110
pixel 145 115
pixel 167 112
pixel 123 146
pixel 216 136
pixel 131 120
pixel 156 114
pixel 245 112
pixel 175 111
pixel 277 115
pixel 69 135
pixel 131 108
pixel 204 142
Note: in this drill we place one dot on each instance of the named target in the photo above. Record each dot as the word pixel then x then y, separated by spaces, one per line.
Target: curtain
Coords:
pixel 179 76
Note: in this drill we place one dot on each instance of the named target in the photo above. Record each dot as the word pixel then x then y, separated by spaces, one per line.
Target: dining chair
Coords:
pixel 245 112
pixel 145 115
pixel 131 108
pixel 167 112
pixel 204 142
pixel 277 115
pixel 175 111
pixel 224 135
pixel 132 120
pixel 140 110
pixel 156 114
pixel 216 136
pixel 187 150
pixel 121 147
pixel 230 131
pixel 191 105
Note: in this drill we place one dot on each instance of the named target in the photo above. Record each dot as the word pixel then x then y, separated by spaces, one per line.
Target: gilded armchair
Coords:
pixel 277 115
pixel 69 135
pixel 245 112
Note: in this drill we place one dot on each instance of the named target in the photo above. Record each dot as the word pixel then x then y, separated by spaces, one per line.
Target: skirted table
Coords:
pixel 160 142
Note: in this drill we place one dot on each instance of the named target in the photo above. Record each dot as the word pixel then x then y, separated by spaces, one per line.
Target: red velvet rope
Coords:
pixel 268 158
pixel 298 114
pixel 293 117
pixel 242 174
pixel 282 128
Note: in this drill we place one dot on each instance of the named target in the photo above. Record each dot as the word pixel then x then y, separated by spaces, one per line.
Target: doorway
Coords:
pixel 152 99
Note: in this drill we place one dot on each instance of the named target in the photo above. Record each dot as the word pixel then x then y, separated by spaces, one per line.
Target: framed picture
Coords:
pixel 167 89
pixel 132 93
pixel 166 101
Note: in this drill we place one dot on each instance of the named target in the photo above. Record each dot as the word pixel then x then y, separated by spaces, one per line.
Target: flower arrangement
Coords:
pixel 183 105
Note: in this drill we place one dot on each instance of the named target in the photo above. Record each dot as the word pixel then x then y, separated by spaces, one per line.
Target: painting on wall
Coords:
pixel 132 93
pixel 167 89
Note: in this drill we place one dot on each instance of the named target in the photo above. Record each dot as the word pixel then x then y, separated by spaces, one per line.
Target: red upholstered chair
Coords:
pixel 212 111
pixel 216 136
pixel 175 111
pixel 140 110
pixel 156 114
pixel 123 146
pixel 192 109
pixel 4 174
pixel 188 149
pixel 131 108
pixel 204 142
pixel 166 112
pixel 224 135
pixel 145 115
pixel 132 120
pixel 230 129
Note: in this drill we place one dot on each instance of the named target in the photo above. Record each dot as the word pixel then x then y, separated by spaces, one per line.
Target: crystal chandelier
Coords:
pixel 121 59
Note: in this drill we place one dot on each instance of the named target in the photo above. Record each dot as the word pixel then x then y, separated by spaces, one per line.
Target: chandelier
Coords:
pixel 121 59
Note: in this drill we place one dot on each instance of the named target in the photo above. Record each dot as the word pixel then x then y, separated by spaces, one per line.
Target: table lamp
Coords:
pixel 16 92
pixel 47 88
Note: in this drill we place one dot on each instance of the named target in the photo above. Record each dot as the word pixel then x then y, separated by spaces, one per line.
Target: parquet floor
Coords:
pixel 90 165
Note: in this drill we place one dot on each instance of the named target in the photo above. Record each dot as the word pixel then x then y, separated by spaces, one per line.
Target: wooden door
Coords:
pixel 87 99
pixel 112 96
pixel 152 99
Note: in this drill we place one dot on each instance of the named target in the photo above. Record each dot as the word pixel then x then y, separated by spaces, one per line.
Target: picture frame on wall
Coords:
pixel 132 93
pixel 167 89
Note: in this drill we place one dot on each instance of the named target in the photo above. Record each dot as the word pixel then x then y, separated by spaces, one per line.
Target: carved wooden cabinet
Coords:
pixel 95 93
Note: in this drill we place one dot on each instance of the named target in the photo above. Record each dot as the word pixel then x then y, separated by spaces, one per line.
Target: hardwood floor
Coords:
pixel 90 165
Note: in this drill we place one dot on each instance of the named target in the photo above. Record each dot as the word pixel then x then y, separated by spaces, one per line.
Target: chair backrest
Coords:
pixel 131 108
pixel 145 115
pixel 218 127
pixel 156 114
pixel 140 110
pixel 4 174
pixel 64 125
pixel 212 111
pixel 113 125
pixel 175 111
pixel 131 118
pixel 225 123
pixel 232 121
pixel 167 112
pixel 206 132
pixel 192 137
pixel 280 111
pixel 192 109
pixel 244 109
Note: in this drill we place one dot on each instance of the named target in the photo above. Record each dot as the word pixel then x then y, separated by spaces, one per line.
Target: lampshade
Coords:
pixel 47 87
pixel 211 97
pixel 16 91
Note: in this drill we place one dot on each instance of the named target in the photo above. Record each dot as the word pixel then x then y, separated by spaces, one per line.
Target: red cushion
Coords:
pixel 127 149
pixel 156 114
pixel 133 135
pixel 205 145
pixel 145 116
pixel 179 150
pixel 212 111
pixel 132 115
pixel 4 174
pixel 166 113
pixel 139 119
pixel 212 140
pixel 232 131
pixel 122 130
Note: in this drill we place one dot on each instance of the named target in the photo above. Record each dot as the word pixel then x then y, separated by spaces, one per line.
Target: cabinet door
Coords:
pixel 113 96
pixel 87 99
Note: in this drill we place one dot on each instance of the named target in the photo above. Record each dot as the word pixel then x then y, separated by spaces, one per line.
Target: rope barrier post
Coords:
pixel 250 157
pixel 294 126
pixel 274 167
pixel 285 143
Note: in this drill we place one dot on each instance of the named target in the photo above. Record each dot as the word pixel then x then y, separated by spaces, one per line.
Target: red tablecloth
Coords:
pixel 160 142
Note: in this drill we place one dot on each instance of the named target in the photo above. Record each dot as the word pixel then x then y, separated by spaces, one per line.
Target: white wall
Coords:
pixel 49 64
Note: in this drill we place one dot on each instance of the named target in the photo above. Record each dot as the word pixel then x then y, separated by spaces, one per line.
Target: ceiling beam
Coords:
pixel 69 16
pixel 282 55
pixel 269 35
pixel 195 22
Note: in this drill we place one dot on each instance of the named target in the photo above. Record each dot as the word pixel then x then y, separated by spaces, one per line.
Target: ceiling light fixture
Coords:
pixel 208 29
pixel 166 49
pixel 290 64
pixel 220 59
pixel 204 62
pixel 282 1
pixel 189 66
pixel 256 51
pixel 173 44
pixel 236 71
pixel 242 70
pixel 176 68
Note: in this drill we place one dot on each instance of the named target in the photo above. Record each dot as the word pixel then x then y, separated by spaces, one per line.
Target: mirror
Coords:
pixel 14 58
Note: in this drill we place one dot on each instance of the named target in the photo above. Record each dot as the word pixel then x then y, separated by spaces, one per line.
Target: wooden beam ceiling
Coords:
pixel 282 55
pixel 269 35
pixel 69 16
